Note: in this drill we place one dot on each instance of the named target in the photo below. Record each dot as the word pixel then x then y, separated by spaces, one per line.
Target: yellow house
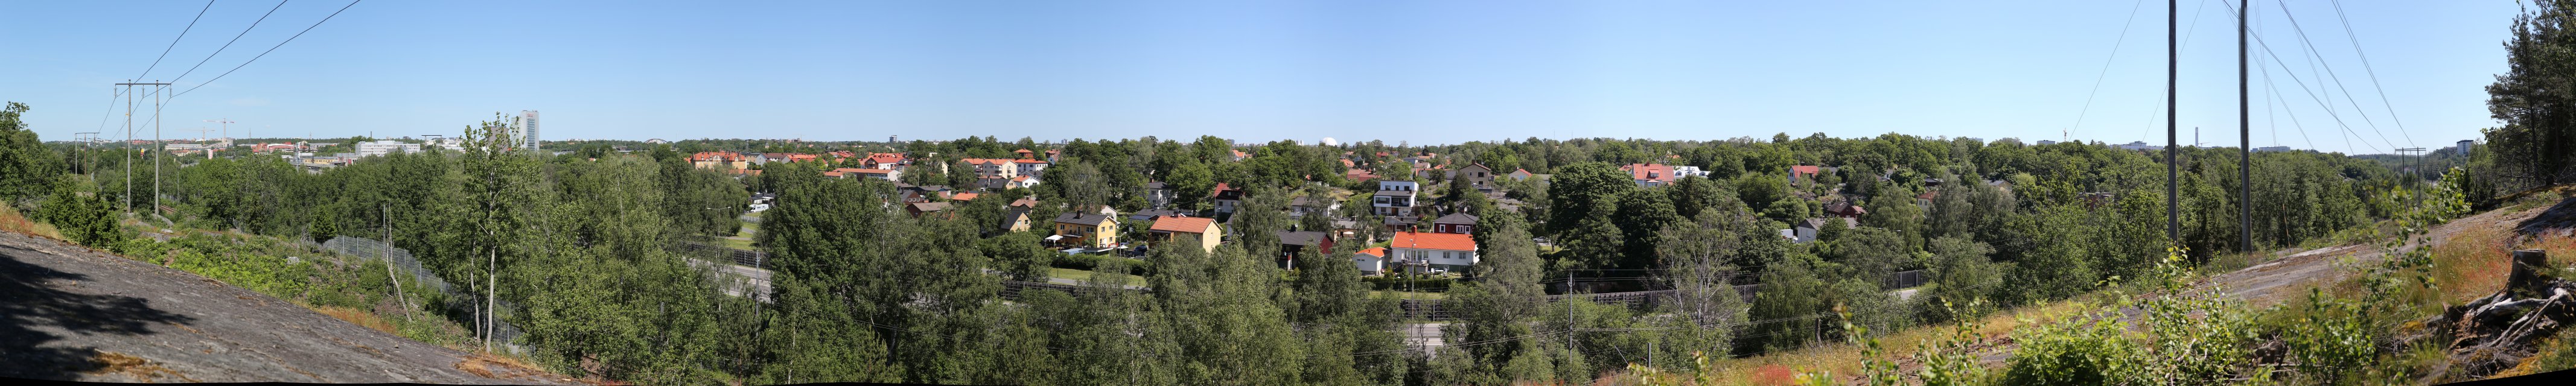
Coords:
pixel 1015 220
pixel 1085 229
pixel 1209 234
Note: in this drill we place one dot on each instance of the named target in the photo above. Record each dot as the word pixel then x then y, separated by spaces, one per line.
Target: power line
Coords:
pixel 352 3
pixel 2330 73
pixel 2374 73
pixel 229 43
pixel 2303 86
pixel 174 42
pixel 2106 64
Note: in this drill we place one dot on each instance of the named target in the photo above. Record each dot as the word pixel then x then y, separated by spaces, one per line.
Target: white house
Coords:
pixel 1394 198
pixel 1029 167
pixel 1446 251
pixel 1372 261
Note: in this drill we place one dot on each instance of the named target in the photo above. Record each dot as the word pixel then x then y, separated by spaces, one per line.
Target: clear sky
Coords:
pixel 1417 71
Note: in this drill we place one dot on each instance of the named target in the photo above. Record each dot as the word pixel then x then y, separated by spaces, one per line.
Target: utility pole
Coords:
pixel 160 147
pixel 2414 172
pixel 129 144
pixel 86 139
pixel 2245 138
pixel 2173 172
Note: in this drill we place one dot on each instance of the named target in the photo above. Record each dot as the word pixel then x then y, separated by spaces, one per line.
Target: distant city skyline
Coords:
pixel 1434 72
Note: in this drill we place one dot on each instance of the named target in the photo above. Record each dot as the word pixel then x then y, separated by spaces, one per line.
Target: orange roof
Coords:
pixel 1656 172
pixel 1437 241
pixel 1378 252
pixel 967 196
pixel 1175 224
pixel 716 156
pixel 1804 169
pixel 1030 202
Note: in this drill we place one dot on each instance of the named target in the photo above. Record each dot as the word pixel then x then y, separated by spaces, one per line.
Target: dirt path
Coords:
pixel 69 313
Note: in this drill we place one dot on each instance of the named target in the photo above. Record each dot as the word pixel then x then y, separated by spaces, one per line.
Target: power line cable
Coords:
pixel 174 42
pixel 2106 65
pixel 2311 47
pixel 2303 86
pixel 229 43
pixel 352 3
pixel 2374 73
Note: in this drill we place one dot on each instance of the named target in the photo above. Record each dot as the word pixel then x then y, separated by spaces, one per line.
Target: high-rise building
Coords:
pixel 528 130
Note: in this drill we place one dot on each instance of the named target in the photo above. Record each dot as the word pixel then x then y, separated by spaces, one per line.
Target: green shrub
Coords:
pixel 85 220
pixel 1425 284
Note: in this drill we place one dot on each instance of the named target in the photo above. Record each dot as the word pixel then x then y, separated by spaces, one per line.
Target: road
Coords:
pixel 757 279
pixel 69 313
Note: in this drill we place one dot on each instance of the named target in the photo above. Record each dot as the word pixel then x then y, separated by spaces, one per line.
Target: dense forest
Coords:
pixel 580 246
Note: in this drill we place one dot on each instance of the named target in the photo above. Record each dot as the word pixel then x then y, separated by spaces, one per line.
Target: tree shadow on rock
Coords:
pixel 36 311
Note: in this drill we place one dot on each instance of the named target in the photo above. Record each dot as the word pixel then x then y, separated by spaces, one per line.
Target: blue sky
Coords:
pixel 1415 71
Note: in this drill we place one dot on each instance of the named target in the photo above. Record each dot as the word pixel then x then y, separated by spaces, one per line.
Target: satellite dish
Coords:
pixel 1328 141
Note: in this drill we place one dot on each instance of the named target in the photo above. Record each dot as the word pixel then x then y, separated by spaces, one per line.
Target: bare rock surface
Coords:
pixel 70 313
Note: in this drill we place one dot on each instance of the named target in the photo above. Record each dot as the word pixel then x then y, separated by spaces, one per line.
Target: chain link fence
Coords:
pixel 366 249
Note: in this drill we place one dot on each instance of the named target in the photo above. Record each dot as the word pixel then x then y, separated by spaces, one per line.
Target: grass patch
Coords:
pixel 1844 358
pixel 359 317
pixel 11 220
pixel 2473 262
pixel 1085 276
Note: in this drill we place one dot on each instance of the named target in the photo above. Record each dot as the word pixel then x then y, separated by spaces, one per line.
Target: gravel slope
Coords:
pixel 69 313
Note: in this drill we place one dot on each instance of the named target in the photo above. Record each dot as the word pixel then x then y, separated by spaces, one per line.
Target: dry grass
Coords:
pixel 12 221
pixel 2472 262
pixel 1781 368
pixel 359 317
pixel 110 362
pixel 494 366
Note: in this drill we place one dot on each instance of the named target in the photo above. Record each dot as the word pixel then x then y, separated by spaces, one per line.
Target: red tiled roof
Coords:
pixel 1359 175
pixel 715 156
pixel 1659 172
pixel 1436 241
pixel 1025 202
pixel 885 158
pixel 967 196
pixel 1378 252
pixel 1220 190
pixel 1194 225
pixel 1804 169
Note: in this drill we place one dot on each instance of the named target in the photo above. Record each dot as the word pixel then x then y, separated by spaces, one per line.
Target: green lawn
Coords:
pixel 1085 276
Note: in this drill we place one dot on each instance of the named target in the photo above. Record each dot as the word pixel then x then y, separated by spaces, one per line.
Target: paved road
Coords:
pixel 68 313
pixel 757 279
